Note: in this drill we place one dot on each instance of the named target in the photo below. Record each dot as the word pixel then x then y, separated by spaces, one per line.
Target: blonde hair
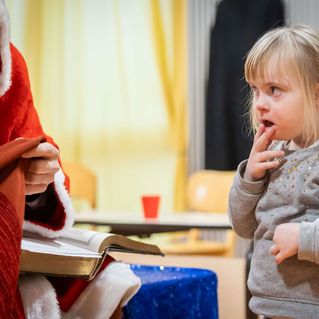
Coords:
pixel 294 50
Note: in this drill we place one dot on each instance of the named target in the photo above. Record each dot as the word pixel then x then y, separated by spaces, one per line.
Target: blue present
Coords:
pixel 173 293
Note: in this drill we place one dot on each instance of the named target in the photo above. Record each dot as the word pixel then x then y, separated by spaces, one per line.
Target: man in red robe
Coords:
pixel 48 211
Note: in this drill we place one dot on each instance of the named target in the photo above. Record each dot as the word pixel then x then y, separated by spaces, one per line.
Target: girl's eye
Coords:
pixel 274 90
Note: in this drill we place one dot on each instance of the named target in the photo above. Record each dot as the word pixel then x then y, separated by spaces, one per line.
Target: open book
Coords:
pixel 79 253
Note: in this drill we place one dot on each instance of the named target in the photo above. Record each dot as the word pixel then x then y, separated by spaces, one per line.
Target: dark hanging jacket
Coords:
pixel 239 23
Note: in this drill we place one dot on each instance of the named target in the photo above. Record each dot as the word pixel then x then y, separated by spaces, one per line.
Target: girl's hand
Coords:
pixel 286 241
pixel 260 160
pixel 44 164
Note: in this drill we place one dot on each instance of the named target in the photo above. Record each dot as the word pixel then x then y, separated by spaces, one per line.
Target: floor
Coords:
pixel 230 273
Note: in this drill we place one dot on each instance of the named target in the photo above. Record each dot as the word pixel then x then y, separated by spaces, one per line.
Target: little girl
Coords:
pixel 275 195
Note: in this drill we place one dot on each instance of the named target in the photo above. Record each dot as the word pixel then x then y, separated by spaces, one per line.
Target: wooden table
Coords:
pixel 129 224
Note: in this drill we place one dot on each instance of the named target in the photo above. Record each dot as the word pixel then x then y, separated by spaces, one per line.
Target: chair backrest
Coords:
pixel 207 190
pixel 82 182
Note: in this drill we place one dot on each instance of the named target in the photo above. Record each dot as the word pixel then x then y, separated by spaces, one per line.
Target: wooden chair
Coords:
pixel 207 191
pixel 82 183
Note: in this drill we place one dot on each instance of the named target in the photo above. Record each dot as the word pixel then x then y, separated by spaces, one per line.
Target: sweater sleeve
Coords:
pixel 243 198
pixel 309 227
pixel 309 241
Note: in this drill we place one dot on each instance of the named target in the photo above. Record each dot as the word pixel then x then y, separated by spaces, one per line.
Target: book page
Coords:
pixel 55 247
pixel 89 239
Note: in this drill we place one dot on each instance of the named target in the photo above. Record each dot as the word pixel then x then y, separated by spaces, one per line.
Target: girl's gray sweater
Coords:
pixel 288 194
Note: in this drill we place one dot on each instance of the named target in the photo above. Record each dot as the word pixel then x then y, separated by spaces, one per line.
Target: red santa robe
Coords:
pixel 43 298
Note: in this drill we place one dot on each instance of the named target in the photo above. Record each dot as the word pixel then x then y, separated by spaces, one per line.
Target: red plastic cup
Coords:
pixel 150 205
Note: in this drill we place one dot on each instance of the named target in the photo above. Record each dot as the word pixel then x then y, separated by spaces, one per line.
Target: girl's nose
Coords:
pixel 261 105
pixel 262 108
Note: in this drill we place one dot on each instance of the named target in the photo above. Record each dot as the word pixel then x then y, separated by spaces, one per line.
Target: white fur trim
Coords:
pixel 114 286
pixel 5 54
pixel 65 199
pixel 38 298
